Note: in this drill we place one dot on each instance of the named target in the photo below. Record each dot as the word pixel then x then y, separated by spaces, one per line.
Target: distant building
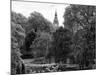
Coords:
pixel 56 22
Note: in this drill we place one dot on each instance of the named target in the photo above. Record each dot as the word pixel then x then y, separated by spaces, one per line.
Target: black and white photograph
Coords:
pixel 52 37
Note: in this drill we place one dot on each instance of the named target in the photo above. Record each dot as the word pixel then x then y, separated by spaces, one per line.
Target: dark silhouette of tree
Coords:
pixel 25 49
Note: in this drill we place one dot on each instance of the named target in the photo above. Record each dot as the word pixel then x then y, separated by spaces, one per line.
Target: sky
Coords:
pixel 47 10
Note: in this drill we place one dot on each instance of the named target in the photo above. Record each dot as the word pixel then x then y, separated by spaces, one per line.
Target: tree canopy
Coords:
pixel 81 20
pixel 61 48
pixel 77 17
pixel 37 22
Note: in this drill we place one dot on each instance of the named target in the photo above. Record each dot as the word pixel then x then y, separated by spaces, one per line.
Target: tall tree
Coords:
pixel 17 36
pixel 37 22
pixel 81 20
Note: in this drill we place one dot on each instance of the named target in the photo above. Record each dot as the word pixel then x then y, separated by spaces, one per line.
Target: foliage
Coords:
pixel 79 16
pixel 25 49
pixel 81 20
pixel 61 44
pixel 18 18
pixel 40 46
pixel 17 34
pixel 37 22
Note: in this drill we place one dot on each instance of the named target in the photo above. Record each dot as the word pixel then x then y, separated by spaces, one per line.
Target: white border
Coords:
pixel 5 38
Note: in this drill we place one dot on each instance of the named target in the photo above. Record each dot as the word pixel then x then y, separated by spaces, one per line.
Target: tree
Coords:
pixel 80 20
pixel 17 35
pixel 18 18
pixel 40 46
pixel 37 22
pixel 77 17
pixel 85 50
pixel 25 49
pixel 61 44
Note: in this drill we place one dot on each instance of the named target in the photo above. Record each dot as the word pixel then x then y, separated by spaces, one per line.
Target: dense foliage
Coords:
pixel 38 31
pixel 79 16
pixel 62 42
pixel 81 20
pixel 40 46
pixel 17 36
pixel 37 22
pixel 18 18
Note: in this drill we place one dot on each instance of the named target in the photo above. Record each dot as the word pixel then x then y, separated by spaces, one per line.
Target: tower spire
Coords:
pixel 56 22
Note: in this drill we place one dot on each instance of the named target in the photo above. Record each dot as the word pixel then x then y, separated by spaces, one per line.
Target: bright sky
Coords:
pixel 47 10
